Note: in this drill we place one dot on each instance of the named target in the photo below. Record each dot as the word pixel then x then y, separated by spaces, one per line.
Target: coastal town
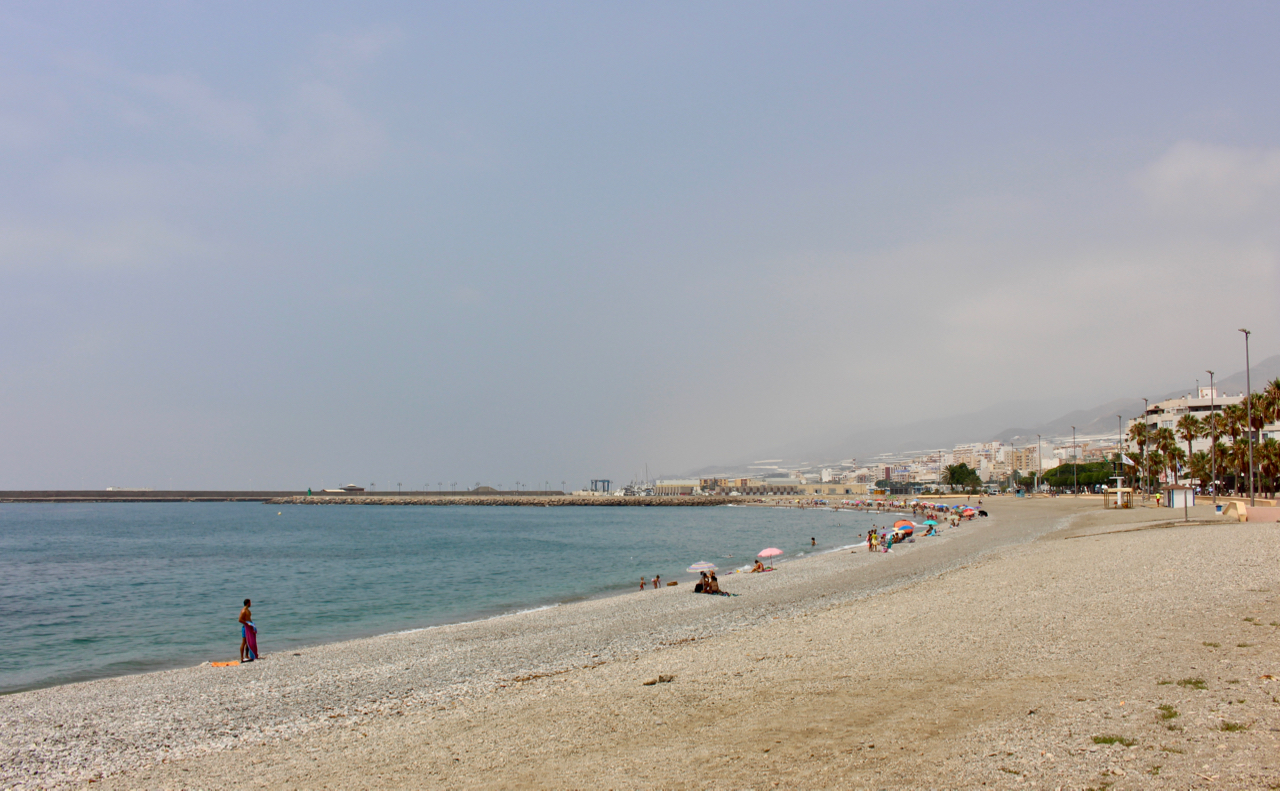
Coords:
pixel 1189 440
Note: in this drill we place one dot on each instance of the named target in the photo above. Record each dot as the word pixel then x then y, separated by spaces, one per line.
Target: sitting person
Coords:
pixel 757 567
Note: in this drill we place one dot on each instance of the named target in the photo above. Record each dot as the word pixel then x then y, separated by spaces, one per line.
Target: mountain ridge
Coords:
pixel 985 425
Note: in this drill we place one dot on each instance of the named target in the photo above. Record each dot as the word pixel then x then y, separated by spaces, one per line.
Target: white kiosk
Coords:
pixel 1178 496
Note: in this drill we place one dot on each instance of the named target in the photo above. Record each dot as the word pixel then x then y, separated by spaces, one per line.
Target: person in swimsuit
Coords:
pixel 757 567
pixel 657 580
pixel 643 581
pixel 245 618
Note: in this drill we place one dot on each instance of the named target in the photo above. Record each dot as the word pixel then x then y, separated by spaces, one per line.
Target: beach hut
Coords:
pixel 1178 496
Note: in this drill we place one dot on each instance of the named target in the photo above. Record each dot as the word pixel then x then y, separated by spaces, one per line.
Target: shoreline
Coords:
pixel 434 666
pixel 375 631
pixel 100 728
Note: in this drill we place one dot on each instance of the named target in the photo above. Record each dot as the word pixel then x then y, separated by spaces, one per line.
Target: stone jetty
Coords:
pixel 526 500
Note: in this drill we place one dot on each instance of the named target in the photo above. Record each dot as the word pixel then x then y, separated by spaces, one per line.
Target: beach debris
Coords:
pixel 659 680
pixel 673 582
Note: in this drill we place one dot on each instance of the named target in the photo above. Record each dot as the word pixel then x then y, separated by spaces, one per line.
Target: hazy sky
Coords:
pixel 284 245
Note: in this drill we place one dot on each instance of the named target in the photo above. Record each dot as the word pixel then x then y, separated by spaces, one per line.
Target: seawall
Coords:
pixel 525 500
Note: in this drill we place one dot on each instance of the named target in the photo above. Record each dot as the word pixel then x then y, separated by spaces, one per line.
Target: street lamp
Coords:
pixel 1075 479
pixel 1146 476
pixel 1039 466
pixel 1120 450
pixel 1248 401
pixel 1213 443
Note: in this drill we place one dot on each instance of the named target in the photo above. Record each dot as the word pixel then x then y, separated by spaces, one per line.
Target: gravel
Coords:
pixel 1004 613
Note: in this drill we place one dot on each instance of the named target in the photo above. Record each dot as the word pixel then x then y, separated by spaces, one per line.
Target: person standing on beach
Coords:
pixel 642 583
pixel 246 619
pixel 657 579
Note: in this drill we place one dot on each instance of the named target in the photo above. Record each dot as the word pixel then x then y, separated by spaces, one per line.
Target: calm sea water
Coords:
pixel 97 590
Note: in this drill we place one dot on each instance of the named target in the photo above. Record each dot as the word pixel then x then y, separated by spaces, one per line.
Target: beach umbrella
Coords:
pixel 903 523
pixel 701 566
pixel 930 522
pixel 771 552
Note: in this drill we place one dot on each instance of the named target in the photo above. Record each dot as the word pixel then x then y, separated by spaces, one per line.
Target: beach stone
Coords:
pixel 666 679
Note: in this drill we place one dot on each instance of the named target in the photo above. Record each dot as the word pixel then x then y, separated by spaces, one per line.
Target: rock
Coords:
pixel 651 682
pixel 666 679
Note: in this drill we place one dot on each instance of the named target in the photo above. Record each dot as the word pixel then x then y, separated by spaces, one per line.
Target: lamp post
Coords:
pixel 1146 476
pixel 1248 401
pixel 1039 466
pixel 1119 446
pixel 1213 444
pixel 1075 478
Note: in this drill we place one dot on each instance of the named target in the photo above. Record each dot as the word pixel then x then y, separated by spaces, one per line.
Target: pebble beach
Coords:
pixel 1052 645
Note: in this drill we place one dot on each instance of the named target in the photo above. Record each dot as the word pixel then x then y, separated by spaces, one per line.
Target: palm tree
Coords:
pixel 1176 458
pixel 1261 411
pixel 1240 456
pixel 946 476
pixel 1189 428
pixel 1167 443
pixel 1271 398
pixel 1269 462
pixel 1214 427
pixel 1234 416
pixel 1201 467
pixel 1140 435
pixel 1155 461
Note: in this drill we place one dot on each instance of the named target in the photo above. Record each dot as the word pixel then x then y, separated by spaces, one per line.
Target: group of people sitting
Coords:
pixel 709 584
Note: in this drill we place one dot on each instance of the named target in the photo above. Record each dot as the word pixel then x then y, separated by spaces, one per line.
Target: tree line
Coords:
pixel 1160 449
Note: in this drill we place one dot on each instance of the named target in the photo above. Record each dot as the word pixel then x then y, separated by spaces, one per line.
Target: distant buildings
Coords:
pixel 1165 414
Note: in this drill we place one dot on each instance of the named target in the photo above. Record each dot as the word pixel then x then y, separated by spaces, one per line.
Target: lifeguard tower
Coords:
pixel 1117 496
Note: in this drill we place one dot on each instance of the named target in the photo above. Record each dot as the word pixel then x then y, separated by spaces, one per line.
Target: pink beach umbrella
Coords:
pixel 771 552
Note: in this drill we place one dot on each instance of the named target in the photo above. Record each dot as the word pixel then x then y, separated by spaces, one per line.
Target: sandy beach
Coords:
pixel 1052 645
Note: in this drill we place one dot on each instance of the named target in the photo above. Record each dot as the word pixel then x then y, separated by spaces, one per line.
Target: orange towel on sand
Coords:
pixel 224 664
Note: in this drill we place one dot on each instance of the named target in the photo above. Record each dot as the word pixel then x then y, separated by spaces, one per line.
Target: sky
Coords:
pixel 290 245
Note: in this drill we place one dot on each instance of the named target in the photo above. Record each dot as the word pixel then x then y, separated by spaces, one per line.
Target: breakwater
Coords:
pixel 137 496
pixel 515 500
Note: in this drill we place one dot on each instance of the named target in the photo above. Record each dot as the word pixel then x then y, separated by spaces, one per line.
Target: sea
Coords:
pixel 95 590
